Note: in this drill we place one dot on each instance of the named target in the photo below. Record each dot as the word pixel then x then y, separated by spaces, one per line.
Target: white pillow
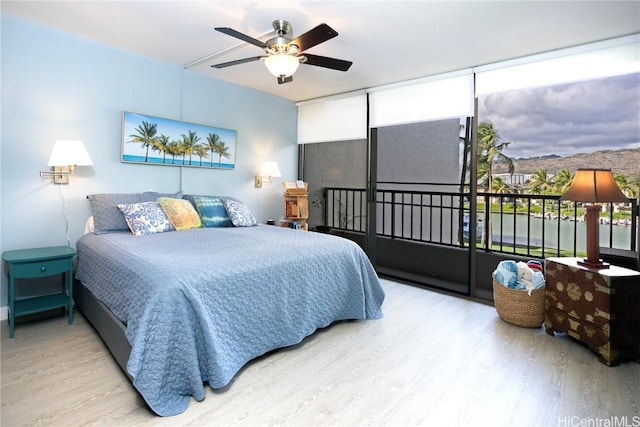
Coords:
pixel 88 226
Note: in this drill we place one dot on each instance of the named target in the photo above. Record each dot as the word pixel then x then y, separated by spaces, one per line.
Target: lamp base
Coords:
pixel 61 175
pixel 598 265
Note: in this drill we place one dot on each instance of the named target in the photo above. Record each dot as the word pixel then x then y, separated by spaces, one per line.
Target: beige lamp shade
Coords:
pixel 69 153
pixel 270 169
pixel 594 186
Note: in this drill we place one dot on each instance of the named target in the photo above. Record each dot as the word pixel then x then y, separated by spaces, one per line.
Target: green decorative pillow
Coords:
pixel 180 212
pixel 212 211
pixel 145 218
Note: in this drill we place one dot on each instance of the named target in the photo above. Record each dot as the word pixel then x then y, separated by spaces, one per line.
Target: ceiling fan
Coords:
pixel 284 54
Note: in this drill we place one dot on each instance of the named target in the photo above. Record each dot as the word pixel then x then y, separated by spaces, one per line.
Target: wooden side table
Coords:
pixel 36 263
pixel 598 307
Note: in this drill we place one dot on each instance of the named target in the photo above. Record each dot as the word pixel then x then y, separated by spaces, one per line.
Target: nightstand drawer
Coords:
pixel 41 268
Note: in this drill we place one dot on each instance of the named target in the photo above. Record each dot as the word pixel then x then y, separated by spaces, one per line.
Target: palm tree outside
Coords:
pixel 561 181
pixel 540 182
pixel 490 146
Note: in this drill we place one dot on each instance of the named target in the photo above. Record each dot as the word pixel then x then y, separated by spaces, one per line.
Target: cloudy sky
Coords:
pixel 567 119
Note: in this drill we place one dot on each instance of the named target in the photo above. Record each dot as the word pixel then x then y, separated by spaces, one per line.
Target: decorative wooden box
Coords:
pixel 600 308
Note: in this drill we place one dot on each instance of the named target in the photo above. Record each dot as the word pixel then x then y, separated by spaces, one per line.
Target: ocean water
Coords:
pixel 169 161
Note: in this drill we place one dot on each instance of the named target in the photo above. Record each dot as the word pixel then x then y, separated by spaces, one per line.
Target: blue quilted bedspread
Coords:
pixel 199 304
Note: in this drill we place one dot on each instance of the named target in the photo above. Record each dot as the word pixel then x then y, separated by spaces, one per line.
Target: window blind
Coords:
pixel 339 118
pixel 596 60
pixel 437 97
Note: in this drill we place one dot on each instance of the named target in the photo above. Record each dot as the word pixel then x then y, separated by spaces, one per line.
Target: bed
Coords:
pixel 187 308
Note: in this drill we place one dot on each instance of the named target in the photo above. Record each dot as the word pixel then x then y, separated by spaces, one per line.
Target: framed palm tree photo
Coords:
pixel 157 141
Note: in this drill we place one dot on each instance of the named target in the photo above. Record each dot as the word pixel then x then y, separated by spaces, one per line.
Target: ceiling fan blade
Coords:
pixel 283 80
pixel 323 61
pixel 314 36
pixel 237 62
pixel 233 33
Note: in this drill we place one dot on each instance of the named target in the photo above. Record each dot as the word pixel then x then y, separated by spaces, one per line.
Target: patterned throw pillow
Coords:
pixel 212 211
pixel 146 218
pixel 106 216
pixel 239 214
pixel 180 212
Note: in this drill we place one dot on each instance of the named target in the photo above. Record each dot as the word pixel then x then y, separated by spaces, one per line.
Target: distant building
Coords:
pixel 513 178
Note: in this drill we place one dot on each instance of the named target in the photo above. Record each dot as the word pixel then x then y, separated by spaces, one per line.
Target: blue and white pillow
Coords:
pixel 146 218
pixel 212 211
pixel 106 216
pixel 239 214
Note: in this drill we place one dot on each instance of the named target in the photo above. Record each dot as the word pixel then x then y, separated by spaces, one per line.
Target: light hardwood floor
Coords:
pixel 434 359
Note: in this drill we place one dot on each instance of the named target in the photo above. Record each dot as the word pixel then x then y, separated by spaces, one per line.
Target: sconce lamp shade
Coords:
pixel 65 156
pixel 270 170
pixel 594 186
pixel 69 153
pixel 282 64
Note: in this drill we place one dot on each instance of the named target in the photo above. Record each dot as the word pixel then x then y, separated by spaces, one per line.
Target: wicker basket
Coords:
pixel 515 306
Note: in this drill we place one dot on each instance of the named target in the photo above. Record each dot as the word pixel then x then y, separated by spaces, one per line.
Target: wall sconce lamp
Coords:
pixel 65 156
pixel 269 170
pixel 594 186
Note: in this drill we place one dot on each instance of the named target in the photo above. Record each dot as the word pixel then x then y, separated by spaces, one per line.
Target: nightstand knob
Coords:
pixel 43 268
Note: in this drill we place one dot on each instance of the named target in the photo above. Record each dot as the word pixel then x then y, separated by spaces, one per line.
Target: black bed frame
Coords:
pixel 108 326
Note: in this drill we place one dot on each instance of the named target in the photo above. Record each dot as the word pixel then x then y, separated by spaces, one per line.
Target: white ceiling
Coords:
pixel 388 41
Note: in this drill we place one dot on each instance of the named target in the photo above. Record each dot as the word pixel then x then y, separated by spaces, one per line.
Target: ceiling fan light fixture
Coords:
pixel 282 64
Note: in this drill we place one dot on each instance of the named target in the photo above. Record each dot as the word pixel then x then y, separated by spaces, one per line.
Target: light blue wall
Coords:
pixel 56 85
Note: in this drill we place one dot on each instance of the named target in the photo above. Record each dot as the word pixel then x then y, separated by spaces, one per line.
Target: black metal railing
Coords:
pixel 523 224
pixel 432 217
pixel 346 208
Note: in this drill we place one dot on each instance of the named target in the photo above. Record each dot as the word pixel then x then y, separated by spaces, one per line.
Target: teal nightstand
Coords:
pixel 36 263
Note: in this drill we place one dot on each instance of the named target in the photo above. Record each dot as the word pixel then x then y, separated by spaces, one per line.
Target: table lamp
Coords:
pixel 594 186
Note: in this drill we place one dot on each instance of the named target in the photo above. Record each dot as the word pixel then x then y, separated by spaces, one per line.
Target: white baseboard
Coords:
pixel 4 312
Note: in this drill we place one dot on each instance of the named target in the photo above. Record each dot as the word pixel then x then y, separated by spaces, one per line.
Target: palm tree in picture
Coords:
pixel 201 151
pixel 212 143
pixel 189 143
pixel 160 145
pixel 146 133
pixel 490 146
pixel 222 151
pixel 173 148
